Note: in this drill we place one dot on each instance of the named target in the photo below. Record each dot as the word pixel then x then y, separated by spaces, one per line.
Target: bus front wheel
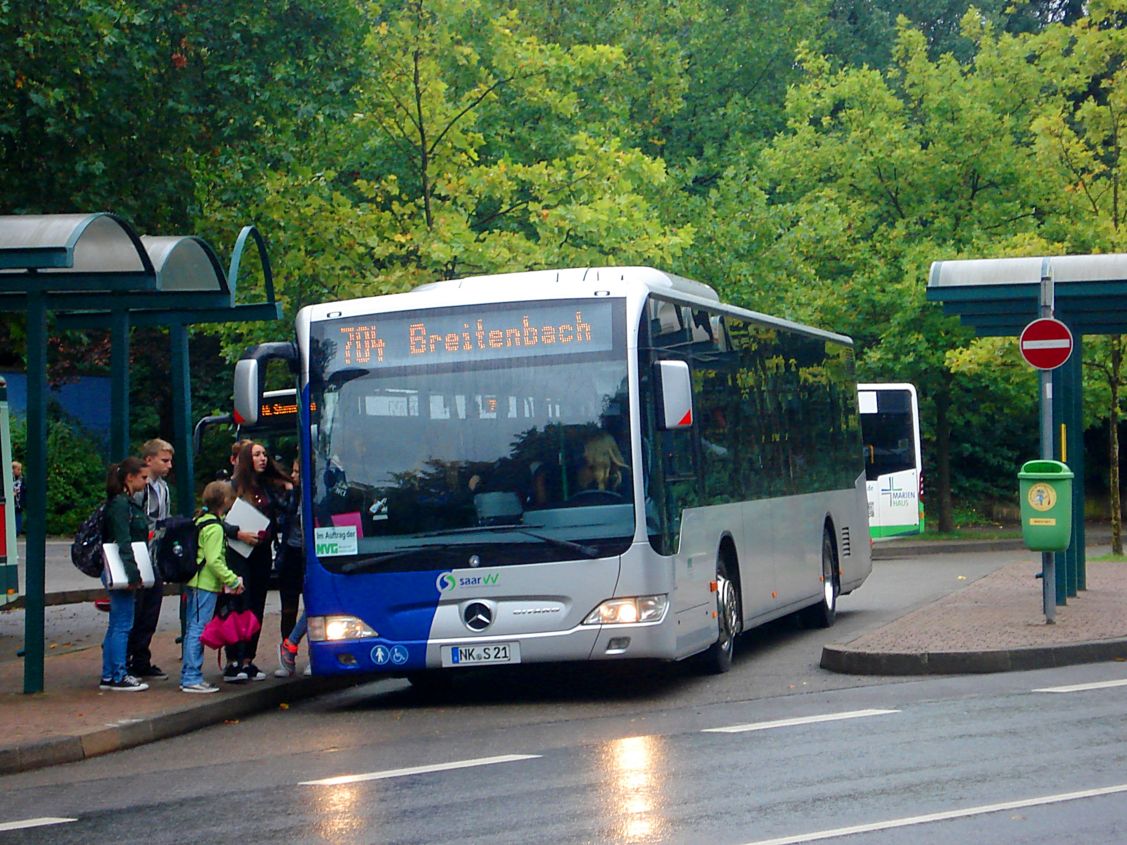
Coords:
pixel 718 657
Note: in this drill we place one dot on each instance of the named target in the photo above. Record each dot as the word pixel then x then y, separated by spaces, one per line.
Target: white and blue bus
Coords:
pixel 566 465
pixel 890 429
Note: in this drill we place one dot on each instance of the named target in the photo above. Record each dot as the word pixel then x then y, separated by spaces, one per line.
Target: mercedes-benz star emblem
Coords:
pixel 477 616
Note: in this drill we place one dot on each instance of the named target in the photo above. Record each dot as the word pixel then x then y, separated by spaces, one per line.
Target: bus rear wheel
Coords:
pixel 823 614
pixel 718 658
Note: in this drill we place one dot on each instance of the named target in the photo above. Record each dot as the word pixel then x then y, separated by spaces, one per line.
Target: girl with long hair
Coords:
pixel 260 482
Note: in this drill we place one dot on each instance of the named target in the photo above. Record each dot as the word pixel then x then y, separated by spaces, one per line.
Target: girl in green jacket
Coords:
pixel 202 591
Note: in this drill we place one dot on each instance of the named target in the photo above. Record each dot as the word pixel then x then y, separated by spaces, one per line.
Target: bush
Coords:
pixel 76 473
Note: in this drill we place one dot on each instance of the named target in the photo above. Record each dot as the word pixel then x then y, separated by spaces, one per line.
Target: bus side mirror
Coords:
pixel 250 377
pixel 675 396
pixel 248 391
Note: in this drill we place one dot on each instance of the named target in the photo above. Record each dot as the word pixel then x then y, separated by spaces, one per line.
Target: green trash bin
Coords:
pixel 1046 505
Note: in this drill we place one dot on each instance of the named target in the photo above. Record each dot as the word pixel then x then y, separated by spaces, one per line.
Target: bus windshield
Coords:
pixel 479 454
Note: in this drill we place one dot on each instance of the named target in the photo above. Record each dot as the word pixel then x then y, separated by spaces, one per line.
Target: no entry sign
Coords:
pixel 1046 343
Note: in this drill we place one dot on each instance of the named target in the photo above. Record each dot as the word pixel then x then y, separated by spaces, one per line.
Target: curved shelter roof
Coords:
pixel 1000 296
pixel 156 279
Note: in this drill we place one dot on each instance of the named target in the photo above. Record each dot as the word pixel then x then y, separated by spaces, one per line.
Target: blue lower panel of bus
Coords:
pixel 399 606
pixel 362 656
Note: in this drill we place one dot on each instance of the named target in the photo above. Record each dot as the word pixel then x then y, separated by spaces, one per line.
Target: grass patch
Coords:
pixel 1109 558
pixel 969 533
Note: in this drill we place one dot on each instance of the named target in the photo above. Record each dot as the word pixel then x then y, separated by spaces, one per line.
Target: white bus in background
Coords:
pixel 584 464
pixel 890 429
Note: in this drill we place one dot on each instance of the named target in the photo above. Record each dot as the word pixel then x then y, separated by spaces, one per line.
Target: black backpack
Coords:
pixel 176 545
pixel 86 550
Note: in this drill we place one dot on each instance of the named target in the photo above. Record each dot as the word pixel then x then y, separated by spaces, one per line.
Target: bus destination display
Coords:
pixel 448 336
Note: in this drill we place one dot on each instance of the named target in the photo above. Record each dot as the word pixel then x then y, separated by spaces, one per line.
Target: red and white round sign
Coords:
pixel 1046 343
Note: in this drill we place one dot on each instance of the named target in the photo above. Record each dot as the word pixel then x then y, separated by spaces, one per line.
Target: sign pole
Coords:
pixel 1048 564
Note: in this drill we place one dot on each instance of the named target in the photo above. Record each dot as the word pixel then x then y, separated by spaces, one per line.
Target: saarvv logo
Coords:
pixel 447 581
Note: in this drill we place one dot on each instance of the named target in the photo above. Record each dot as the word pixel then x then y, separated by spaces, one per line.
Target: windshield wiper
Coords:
pixel 585 550
pixel 369 563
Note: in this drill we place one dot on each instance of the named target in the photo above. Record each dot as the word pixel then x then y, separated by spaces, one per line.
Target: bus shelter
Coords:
pixel 93 271
pixel 998 297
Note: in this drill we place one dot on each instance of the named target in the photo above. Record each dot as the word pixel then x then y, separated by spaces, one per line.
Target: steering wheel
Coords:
pixel 595 496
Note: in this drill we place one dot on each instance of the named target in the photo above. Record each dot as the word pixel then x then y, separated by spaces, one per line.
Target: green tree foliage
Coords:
pixel 474 147
pixel 76 473
pixel 877 175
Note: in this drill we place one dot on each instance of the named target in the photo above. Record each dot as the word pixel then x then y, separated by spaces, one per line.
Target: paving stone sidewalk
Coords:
pixel 72 719
pixel 996 624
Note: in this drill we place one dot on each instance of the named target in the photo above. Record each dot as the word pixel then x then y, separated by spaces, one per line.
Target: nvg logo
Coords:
pixel 446 581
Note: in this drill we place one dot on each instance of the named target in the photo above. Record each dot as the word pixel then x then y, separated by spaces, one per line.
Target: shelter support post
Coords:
pixel 182 417
pixel 119 385
pixel 1068 446
pixel 35 501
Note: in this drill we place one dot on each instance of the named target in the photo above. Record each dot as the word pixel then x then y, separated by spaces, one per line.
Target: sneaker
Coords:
pixel 105 683
pixel 201 687
pixel 102 605
pixel 152 671
pixel 287 660
pixel 234 674
pixel 254 673
pixel 127 684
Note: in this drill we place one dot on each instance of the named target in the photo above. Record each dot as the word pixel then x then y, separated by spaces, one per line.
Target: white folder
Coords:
pixel 115 576
pixel 248 518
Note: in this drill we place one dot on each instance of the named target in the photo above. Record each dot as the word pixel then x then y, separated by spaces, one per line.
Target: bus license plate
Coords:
pixel 479 655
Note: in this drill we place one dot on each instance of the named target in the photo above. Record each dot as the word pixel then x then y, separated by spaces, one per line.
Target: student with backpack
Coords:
pixel 202 590
pixel 124 524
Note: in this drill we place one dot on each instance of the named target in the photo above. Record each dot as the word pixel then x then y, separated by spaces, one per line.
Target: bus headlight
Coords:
pixel 628 610
pixel 334 628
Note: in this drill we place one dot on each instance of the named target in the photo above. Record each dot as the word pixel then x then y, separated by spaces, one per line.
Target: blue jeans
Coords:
pixel 199 607
pixel 117 634
pixel 299 629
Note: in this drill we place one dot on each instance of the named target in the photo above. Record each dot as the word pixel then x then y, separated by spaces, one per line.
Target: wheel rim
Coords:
pixel 726 607
pixel 829 588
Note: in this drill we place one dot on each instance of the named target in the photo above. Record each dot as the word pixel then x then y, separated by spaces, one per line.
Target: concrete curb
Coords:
pixel 76 597
pixel 232 705
pixel 847 661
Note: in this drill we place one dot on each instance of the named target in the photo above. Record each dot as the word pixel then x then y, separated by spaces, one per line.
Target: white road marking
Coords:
pixel 26 823
pixel 419 770
pixel 1084 687
pixel 803 720
pixel 945 816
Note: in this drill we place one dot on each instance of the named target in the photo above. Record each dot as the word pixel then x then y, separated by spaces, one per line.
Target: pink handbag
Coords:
pixel 236 627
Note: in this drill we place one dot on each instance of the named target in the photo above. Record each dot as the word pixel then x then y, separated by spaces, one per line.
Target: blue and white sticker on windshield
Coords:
pixel 334 540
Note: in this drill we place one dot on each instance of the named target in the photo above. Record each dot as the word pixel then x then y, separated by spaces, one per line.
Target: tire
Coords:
pixel 823 614
pixel 718 658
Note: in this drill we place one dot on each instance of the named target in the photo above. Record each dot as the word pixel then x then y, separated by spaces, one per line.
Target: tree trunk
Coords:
pixel 943 456
pixel 1113 447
